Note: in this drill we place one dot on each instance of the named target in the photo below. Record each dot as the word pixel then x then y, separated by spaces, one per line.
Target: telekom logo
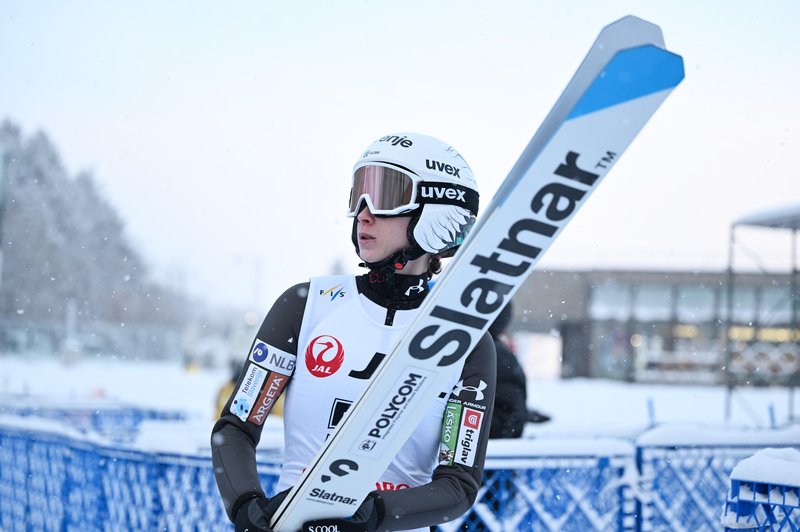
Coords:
pixel 324 356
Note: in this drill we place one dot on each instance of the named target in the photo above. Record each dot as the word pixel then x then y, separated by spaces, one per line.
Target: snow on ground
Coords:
pixel 586 414
pixel 578 407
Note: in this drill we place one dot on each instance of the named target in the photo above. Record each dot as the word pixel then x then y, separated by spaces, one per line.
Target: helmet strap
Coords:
pixel 396 262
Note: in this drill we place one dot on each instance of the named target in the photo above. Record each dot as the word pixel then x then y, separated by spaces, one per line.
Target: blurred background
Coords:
pixel 169 169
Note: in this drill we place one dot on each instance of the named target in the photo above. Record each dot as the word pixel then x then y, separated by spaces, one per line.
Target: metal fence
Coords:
pixel 66 480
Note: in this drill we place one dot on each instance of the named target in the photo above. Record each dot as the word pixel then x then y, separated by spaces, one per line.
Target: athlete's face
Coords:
pixel 380 237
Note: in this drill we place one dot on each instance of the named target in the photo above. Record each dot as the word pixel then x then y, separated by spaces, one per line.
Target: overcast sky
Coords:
pixel 225 132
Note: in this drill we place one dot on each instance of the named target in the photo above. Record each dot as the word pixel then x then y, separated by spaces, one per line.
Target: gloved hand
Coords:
pixel 366 519
pixel 255 514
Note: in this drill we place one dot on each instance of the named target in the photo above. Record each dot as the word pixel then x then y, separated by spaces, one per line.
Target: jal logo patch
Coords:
pixel 324 356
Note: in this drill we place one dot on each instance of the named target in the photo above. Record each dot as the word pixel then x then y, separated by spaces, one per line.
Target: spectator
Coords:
pixel 511 396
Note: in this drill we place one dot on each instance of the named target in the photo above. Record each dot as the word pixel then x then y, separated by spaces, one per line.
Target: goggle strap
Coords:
pixel 443 193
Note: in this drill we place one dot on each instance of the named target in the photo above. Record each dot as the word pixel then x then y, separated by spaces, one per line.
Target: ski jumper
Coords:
pixel 320 344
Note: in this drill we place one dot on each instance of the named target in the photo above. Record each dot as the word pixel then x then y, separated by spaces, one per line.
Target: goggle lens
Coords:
pixel 388 190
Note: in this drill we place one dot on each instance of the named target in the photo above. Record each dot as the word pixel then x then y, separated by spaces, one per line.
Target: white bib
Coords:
pixel 336 354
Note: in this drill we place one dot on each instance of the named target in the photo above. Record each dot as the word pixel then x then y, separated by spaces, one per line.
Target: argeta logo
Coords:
pixel 477 390
pixel 324 356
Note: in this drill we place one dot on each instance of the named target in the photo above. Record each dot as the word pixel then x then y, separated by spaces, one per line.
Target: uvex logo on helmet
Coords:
pixel 441 167
pixel 394 140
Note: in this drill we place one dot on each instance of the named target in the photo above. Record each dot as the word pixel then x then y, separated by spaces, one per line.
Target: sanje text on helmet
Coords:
pixel 403 141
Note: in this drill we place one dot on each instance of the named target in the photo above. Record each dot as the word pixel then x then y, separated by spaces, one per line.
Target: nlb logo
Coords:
pixel 272 358
pixel 324 356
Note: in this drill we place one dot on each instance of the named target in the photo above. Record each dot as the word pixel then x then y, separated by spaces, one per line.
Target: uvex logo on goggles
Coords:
pixel 434 192
pixel 447 194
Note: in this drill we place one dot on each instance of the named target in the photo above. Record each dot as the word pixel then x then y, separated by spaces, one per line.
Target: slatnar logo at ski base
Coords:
pixel 555 202
pixel 319 493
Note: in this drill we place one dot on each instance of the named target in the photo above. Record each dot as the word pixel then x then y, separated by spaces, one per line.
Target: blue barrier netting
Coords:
pixel 765 492
pixel 668 479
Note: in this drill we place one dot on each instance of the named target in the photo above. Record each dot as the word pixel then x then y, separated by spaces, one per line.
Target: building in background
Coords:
pixel 665 326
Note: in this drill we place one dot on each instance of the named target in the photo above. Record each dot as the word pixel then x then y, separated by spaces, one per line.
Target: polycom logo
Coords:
pixel 324 356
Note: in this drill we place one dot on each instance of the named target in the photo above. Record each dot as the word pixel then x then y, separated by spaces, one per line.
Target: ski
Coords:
pixel 621 82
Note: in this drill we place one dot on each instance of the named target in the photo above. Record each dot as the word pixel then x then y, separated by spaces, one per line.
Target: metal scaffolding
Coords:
pixel 787 218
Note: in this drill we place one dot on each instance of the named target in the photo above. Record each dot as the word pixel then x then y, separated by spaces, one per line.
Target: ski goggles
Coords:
pixel 386 191
pixel 389 191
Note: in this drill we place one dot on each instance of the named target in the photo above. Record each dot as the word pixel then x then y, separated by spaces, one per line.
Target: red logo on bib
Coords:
pixel 324 356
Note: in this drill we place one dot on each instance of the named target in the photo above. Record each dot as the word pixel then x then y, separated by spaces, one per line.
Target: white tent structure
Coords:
pixel 785 218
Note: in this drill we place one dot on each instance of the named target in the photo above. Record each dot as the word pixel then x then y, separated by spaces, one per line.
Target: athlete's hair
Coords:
pixel 434 266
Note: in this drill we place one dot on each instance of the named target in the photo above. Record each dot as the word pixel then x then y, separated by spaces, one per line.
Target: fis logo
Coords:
pixel 334 292
pixel 477 390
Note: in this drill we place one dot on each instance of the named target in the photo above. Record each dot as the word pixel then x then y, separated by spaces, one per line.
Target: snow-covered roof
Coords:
pixel 780 218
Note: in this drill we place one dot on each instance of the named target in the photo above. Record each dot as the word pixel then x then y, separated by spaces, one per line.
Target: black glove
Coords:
pixel 366 519
pixel 255 514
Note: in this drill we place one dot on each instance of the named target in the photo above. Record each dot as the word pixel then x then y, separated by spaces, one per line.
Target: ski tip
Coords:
pixel 631 74
pixel 630 29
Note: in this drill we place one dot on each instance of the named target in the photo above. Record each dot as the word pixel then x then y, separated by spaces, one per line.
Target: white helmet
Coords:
pixel 409 174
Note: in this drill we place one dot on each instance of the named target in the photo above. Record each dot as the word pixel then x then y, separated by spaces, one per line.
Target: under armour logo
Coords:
pixel 418 288
pixel 477 390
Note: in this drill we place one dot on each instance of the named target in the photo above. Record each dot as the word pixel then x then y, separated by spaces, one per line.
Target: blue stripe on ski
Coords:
pixel 631 74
